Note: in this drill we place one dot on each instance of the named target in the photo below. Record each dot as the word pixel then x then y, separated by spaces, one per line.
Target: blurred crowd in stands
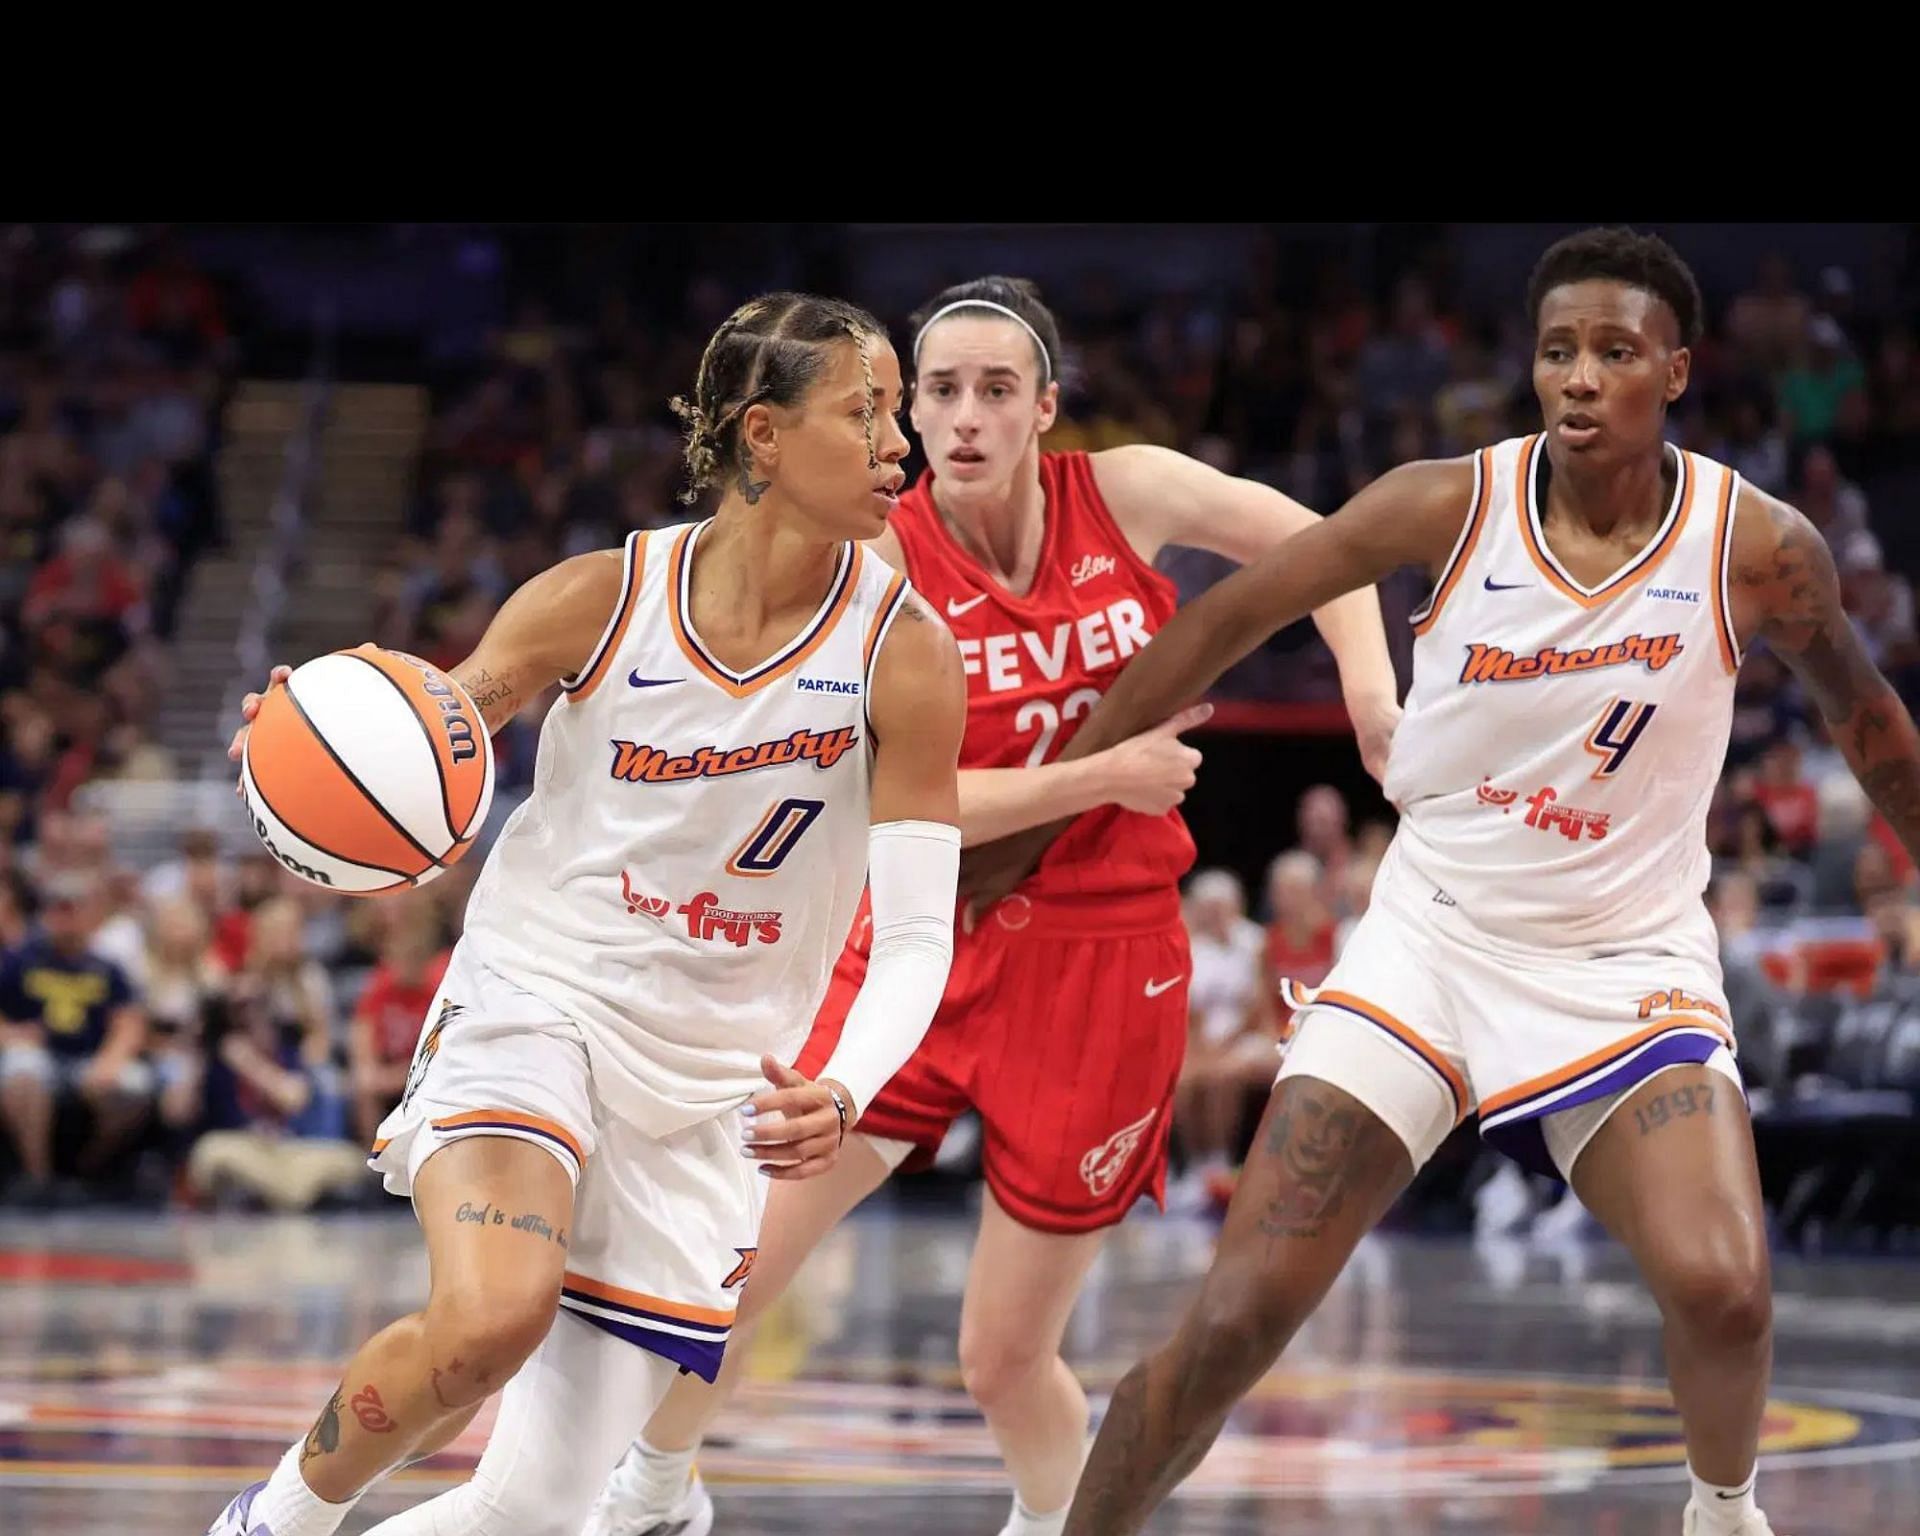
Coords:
pixel 210 1031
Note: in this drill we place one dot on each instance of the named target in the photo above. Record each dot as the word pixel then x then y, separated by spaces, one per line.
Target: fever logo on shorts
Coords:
pixel 1101 1167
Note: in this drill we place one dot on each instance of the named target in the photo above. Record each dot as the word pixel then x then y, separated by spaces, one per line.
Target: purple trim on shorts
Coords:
pixel 696 1355
pixel 1523 1140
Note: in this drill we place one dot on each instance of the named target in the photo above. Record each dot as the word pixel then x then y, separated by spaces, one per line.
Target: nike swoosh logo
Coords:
pixel 1740 1493
pixel 954 610
pixel 635 680
pixel 1155 988
pixel 1506 586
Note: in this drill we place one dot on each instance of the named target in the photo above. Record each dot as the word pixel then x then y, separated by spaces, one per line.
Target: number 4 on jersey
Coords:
pixel 1622 723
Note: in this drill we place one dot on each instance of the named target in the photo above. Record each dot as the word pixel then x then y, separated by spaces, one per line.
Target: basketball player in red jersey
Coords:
pixel 1065 1016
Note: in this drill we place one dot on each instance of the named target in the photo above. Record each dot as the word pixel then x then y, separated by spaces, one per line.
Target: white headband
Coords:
pixel 999 309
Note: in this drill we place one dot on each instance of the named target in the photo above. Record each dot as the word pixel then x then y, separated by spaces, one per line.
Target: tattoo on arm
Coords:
pixel 324 1438
pixel 1681 1104
pixel 1796 593
pixel 488 691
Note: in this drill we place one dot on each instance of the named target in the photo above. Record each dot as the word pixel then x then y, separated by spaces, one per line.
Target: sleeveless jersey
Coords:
pixel 695 846
pixel 1037 663
pixel 1561 743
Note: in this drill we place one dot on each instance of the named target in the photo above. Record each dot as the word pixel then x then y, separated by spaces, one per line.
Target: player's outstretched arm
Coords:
pixel 545 632
pixel 918 713
pixel 1411 515
pixel 1162 497
pixel 1786 592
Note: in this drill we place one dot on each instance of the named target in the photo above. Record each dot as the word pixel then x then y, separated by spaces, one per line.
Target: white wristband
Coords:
pixel 913 870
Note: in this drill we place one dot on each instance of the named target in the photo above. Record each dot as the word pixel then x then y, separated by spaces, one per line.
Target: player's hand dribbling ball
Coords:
pixel 364 771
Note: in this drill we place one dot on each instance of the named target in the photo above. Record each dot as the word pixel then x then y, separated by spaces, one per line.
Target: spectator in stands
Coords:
pixel 70 1027
pixel 1231 1044
pixel 1823 375
pixel 185 991
pixel 1356 895
pixel 84 603
pixel 1758 852
pixel 1408 363
pixel 280 982
pixel 176 307
pixel 1321 824
pixel 1791 803
pixel 279 1140
pixel 1752 443
pixel 388 1018
pixel 1837 507
pixel 1767 322
pixel 1300 925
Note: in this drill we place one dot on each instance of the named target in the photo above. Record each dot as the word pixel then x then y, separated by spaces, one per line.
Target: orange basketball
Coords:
pixel 369 771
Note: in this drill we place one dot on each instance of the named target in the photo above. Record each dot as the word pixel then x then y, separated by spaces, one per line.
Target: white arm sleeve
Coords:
pixel 913 871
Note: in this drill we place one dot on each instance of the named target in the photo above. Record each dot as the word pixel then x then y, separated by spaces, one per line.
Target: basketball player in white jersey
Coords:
pixel 757 714
pixel 1537 947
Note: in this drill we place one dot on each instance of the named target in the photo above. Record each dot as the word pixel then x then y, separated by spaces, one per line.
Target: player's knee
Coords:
pixel 1240 1325
pixel 998 1363
pixel 491 1326
pixel 1720 1294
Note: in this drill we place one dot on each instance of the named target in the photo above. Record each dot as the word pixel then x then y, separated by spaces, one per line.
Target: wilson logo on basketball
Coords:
pixel 1101 1167
pixel 455 720
pixel 638 763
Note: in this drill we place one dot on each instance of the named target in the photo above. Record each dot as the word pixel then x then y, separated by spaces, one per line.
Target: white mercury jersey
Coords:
pixel 686 869
pixel 1561 743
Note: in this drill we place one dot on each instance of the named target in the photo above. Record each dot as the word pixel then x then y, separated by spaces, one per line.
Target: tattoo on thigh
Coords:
pixel 1681 1104
pixel 1319 1136
pixel 324 1438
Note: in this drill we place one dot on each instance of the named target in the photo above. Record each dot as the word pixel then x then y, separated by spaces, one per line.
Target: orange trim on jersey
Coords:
pixel 596 1290
pixel 1377 1015
pixel 1450 577
pixel 512 1119
pixel 1548 1081
pixel 1642 568
pixel 381 1145
pixel 879 623
pixel 597 667
pixel 1722 619
pixel 823 626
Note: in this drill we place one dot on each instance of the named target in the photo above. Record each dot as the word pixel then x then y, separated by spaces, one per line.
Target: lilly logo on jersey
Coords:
pixel 1089 566
pixel 1096 640
pixel 1546 814
pixel 1497 664
pixel 639 763
pixel 1678 1000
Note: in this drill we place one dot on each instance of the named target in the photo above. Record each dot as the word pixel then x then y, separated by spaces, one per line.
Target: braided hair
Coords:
pixel 769 350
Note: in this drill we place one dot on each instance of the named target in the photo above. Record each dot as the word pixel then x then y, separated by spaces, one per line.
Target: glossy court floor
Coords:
pixel 149 1367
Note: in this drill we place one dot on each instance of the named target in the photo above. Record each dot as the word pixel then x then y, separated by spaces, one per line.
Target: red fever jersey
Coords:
pixel 1065 1016
pixel 1037 664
